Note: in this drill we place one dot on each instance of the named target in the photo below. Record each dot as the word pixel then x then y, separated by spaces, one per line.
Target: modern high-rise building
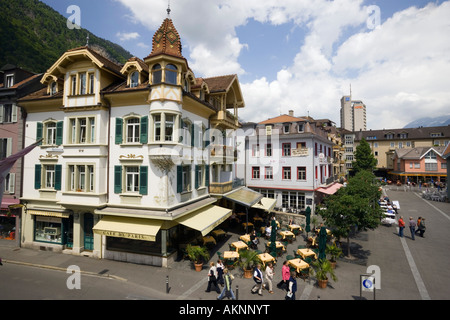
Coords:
pixel 353 114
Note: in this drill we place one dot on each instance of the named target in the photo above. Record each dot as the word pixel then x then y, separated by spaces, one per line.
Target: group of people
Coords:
pixel 288 282
pixel 420 224
pixel 218 275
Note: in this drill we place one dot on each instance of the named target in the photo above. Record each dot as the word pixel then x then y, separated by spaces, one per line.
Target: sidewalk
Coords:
pixel 380 247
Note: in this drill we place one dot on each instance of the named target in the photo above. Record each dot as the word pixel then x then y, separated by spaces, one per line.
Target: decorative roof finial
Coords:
pixel 168 10
pixel 87 40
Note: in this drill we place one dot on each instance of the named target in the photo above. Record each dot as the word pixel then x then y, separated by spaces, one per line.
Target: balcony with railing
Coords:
pixel 222 154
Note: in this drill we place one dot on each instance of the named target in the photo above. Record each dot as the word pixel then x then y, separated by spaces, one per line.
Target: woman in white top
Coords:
pixel 269 277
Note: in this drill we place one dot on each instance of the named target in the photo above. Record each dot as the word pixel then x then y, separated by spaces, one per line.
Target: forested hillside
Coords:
pixel 33 36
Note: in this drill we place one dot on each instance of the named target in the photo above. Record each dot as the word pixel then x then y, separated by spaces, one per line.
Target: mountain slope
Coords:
pixel 430 122
pixel 34 36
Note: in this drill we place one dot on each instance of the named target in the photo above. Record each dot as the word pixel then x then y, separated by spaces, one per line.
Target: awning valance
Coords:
pixel 205 219
pixel 244 196
pixel 266 204
pixel 129 228
pixel 49 213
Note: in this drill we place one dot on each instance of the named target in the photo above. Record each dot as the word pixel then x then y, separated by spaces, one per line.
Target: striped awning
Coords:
pixel 49 213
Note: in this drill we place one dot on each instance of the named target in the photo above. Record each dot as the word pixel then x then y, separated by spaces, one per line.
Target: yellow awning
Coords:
pixel 244 196
pixel 205 219
pixel 266 204
pixel 130 228
pixel 49 213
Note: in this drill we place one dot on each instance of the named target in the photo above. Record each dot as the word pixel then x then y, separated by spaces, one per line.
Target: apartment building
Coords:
pixel 353 114
pixel 124 169
pixel 15 83
pixel 289 159
pixel 385 142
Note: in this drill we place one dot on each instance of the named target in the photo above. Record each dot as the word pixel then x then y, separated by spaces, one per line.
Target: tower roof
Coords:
pixel 166 40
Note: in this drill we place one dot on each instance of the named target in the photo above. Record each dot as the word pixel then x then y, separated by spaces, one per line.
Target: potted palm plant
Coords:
pixel 198 255
pixel 322 268
pixel 334 253
pixel 248 259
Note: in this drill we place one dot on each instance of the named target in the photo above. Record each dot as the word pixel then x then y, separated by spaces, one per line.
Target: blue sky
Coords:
pixel 300 54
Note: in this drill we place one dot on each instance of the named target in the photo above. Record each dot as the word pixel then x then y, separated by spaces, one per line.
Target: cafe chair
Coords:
pixel 289 257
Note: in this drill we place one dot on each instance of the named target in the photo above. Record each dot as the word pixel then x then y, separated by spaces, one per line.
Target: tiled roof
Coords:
pixel 219 84
pixel 282 119
pixel 166 40
pixel 412 133
pixel 416 153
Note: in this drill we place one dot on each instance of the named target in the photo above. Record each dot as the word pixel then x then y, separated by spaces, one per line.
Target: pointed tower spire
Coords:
pixel 168 10
pixel 166 39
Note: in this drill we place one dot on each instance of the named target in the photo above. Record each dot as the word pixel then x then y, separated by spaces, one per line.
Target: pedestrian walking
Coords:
pixel 412 227
pixel 258 278
pixel 418 225
pixel 227 289
pixel 285 274
pixel 269 277
pixel 422 227
pixel 292 286
pixel 219 268
pixel 212 278
pixel 401 226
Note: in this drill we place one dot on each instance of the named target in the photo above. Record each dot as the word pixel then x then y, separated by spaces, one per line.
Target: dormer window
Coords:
pixel 9 81
pixel 134 79
pixel 286 128
pixel 300 127
pixel 156 74
pixel 171 73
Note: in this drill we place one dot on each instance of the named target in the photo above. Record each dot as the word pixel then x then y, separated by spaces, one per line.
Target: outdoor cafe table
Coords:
pixel 295 227
pixel 298 264
pixel 287 234
pixel 230 255
pixel 208 239
pixel 239 245
pixel 245 238
pixel 265 258
pixel 313 240
pixel 306 253
pixel 247 224
pixel 278 245
pixel 218 233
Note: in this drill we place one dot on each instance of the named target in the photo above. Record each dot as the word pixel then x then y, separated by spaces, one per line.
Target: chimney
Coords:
pixel 291 113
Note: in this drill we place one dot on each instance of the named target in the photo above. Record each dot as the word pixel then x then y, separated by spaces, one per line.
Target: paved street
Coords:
pixel 410 270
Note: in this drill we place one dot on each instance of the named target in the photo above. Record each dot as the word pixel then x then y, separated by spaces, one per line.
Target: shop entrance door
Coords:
pixel 68 232
pixel 88 233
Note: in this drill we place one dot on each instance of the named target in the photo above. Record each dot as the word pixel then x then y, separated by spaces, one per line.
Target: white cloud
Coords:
pixel 124 36
pixel 400 70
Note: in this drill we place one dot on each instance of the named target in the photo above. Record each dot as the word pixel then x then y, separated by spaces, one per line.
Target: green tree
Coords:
pixel 353 206
pixel 364 159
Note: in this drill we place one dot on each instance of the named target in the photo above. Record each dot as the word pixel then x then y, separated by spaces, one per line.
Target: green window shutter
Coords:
pixel 59 132
pixel 119 125
pixel 117 179
pixel 197 183
pixel 179 179
pixel 143 180
pixel 58 173
pixel 207 137
pixel 207 175
pixel 37 176
pixel 144 130
pixel 39 129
